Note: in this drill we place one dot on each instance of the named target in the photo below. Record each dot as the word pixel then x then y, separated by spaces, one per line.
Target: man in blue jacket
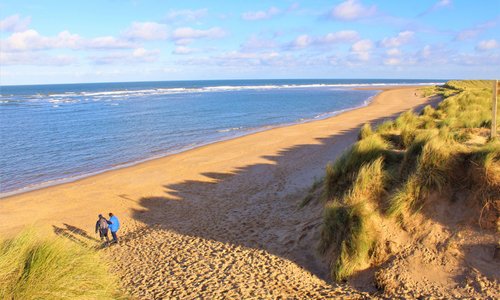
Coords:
pixel 114 225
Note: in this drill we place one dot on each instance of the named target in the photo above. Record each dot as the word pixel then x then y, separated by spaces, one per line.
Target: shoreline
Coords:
pixel 121 190
pixel 323 116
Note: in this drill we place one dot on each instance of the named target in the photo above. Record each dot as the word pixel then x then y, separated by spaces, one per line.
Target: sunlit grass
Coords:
pixel 393 168
pixel 52 268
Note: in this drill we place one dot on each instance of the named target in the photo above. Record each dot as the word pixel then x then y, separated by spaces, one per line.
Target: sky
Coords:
pixel 144 40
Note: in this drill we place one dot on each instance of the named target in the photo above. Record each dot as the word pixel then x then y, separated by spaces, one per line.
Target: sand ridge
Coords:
pixel 228 211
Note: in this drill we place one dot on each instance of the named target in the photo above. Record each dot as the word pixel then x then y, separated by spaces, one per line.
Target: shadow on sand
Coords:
pixel 262 213
pixel 74 234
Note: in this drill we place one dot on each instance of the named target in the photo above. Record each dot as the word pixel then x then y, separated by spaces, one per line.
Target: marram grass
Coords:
pixel 340 175
pixel 350 219
pixel 365 131
pixel 392 169
pixel 52 268
pixel 353 239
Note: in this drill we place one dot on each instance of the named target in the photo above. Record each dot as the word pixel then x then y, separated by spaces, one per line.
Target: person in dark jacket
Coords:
pixel 101 226
pixel 114 225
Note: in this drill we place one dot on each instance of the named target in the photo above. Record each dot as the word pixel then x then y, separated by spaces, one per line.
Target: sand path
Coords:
pixel 222 219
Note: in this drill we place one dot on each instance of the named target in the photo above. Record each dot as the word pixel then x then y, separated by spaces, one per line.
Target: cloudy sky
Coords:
pixel 139 40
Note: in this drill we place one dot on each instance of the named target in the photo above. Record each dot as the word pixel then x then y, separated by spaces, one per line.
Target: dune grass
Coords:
pixel 341 174
pixel 483 173
pixel 52 268
pixel 370 183
pixel 353 239
pixel 311 193
pixel 365 131
pixel 406 198
pixel 350 218
pixel 434 164
pixel 392 169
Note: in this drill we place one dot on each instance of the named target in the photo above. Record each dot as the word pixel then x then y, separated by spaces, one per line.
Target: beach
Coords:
pixel 231 201
pixel 76 203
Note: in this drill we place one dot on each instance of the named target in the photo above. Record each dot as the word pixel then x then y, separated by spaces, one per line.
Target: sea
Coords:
pixel 62 132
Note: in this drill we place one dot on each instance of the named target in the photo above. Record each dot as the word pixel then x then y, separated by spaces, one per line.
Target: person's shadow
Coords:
pixel 77 235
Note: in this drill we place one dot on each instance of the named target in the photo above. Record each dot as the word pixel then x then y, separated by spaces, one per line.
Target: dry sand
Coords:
pixel 222 219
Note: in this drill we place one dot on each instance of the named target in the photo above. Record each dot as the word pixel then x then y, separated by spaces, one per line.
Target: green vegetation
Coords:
pixel 35 268
pixel 365 131
pixel 391 170
pixel 352 241
pixel 350 218
pixel 311 194
pixel 341 174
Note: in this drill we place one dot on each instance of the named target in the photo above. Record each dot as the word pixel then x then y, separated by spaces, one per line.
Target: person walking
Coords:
pixel 114 225
pixel 101 226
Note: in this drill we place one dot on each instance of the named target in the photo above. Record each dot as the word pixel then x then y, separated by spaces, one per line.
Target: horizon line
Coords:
pixel 222 79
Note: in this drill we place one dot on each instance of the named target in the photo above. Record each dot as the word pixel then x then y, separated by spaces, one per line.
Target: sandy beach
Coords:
pixel 223 218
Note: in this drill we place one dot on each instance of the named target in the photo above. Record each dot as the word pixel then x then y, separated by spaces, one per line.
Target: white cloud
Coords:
pixel 426 52
pixel 442 3
pixel 31 40
pixel 183 50
pixel 467 34
pixel 362 49
pixel 483 60
pixel 14 23
pixel 302 41
pixel 244 61
pixel 402 38
pixel 352 10
pixel 185 35
pixel 432 55
pixel 107 42
pixel 146 31
pixel 256 43
pixel 342 36
pixel 35 59
pixel 474 31
pixel 66 39
pixel 392 61
pixel 138 55
pixel 145 55
pixel 487 45
pixel 26 40
pixel 436 6
pixel 393 52
pixel 339 36
pixel 362 46
pixel 190 33
pixel 186 15
pixel 238 59
pixel 261 15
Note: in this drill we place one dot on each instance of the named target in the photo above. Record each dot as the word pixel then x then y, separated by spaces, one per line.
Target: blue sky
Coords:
pixel 140 40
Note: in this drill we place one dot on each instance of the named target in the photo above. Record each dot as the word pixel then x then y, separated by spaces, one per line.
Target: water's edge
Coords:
pixel 61 181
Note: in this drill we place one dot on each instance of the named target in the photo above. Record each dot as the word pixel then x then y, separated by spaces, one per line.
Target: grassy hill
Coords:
pixel 405 169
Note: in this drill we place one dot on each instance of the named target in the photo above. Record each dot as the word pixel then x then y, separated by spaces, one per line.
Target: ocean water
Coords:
pixel 55 133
